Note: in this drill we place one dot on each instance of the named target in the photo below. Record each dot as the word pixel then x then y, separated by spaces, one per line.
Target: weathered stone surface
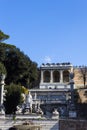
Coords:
pixel 78 79
pixel 72 124
pixel 47 124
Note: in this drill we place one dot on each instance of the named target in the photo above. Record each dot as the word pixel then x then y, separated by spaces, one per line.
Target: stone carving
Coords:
pixel 27 106
pixel 55 114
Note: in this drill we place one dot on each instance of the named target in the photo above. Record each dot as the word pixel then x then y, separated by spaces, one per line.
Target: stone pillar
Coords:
pixel 72 111
pixel 72 69
pixel 35 96
pixel 72 87
pixel 61 76
pixel 2 78
pixel 51 77
pixel 1 94
pixel 41 76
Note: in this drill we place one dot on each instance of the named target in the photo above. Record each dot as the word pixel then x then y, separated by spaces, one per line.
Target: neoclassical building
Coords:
pixel 54 88
pixel 55 75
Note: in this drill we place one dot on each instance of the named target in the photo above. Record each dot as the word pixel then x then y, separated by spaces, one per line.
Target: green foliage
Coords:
pixel 3 36
pixel 20 69
pixel 2 69
pixel 13 98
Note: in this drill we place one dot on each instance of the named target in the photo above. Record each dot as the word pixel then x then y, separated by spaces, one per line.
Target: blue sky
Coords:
pixel 47 30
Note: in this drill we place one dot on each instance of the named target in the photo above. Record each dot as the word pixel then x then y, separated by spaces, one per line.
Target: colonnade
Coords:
pixel 52 76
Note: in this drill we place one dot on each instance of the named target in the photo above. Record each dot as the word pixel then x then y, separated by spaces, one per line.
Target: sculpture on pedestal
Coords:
pixel 27 106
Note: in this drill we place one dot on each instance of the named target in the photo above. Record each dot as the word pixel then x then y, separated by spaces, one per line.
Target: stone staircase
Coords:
pixel 45 124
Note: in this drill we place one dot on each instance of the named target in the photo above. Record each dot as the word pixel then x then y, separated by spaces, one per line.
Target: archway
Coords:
pixel 56 76
pixel 46 76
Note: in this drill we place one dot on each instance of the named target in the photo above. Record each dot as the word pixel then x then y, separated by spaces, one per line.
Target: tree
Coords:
pixel 20 68
pixel 2 69
pixel 12 98
pixel 3 36
pixel 83 72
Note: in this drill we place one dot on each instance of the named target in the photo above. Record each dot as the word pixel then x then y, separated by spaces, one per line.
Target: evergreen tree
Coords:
pixel 20 68
pixel 12 98
pixel 3 36
pixel 2 69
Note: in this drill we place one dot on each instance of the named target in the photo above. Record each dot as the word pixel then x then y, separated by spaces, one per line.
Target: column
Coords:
pixel 61 76
pixel 35 96
pixel 41 76
pixel 2 88
pixel 2 78
pixel 51 76
pixel 72 87
pixel 71 69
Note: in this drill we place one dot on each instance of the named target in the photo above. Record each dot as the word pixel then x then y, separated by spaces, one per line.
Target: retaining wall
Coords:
pixel 72 124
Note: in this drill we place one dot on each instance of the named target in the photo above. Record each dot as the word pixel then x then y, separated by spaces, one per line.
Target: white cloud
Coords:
pixel 47 59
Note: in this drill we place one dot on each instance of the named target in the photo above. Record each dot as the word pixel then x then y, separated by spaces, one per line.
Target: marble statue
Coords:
pixel 27 106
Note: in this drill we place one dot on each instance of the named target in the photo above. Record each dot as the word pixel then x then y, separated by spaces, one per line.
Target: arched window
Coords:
pixel 56 76
pixel 46 76
pixel 65 76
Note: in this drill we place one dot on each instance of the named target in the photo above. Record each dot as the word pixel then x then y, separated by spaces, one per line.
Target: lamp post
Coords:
pixel 2 83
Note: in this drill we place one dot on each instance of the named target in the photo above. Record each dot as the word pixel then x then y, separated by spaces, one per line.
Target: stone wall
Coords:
pixel 78 78
pixel 72 124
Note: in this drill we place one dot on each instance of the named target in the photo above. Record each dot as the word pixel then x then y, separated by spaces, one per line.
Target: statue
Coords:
pixel 27 106
pixel 38 110
pixel 55 114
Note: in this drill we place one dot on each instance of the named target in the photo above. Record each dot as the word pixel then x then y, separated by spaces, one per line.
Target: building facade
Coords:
pixel 55 75
pixel 54 89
